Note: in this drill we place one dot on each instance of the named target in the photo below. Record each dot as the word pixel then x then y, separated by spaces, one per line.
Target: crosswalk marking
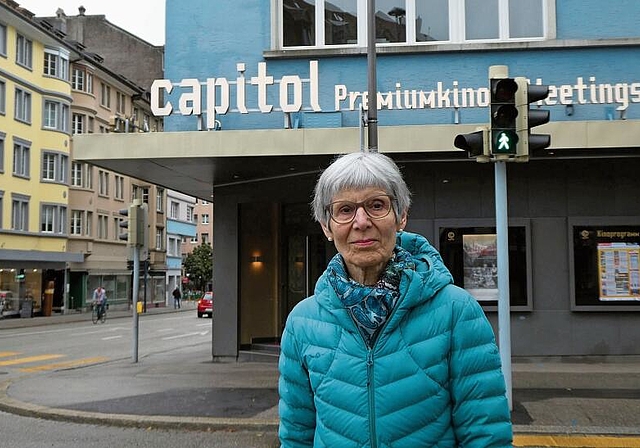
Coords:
pixel 7 354
pixel 28 359
pixel 65 365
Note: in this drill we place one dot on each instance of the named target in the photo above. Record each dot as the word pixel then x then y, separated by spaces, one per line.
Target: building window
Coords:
pixel 77 123
pixel 56 63
pixel 54 167
pixel 205 238
pixel 173 249
pixel 76 222
pixel 24 51
pixel 103 227
pixel 189 213
pixel 105 96
pixel 81 175
pixel 194 239
pixel 175 210
pixel 20 213
pixel 159 238
pixel 119 185
pixel 205 218
pixel 82 80
pixel 53 219
pixel 88 225
pixel 120 102
pixel 325 23
pixel 56 115
pixel 1 207
pixel 21 154
pixel 23 105
pixel 2 138
pixel 159 199
pixel 103 183
pixel 3 40
pixel 3 97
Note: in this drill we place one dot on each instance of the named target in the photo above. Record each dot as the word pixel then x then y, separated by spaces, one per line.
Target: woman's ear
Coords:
pixel 327 232
pixel 402 222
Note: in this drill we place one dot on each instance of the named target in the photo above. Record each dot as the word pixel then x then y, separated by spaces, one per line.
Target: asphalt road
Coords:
pixel 34 350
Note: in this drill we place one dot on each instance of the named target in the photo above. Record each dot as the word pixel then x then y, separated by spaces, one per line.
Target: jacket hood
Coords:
pixel 416 286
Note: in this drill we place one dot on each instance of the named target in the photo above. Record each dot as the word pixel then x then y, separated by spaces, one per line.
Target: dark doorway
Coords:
pixel 305 254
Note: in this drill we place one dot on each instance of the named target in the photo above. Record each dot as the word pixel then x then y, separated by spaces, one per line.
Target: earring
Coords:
pixel 330 239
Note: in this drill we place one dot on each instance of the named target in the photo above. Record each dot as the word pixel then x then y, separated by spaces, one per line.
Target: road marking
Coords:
pixel 186 335
pixel 567 441
pixel 164 330
pixel 7 354
pixel 108 338
pixel 65 365
pixel 206 324
pixel 29 359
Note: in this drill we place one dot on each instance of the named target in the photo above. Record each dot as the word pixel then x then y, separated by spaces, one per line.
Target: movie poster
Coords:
pixel 481 266
pixel 619 273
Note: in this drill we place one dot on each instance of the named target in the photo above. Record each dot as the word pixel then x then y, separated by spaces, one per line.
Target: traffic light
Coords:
pixel 135 222
pixel 475 143
pixel 503 135
pixel 528 118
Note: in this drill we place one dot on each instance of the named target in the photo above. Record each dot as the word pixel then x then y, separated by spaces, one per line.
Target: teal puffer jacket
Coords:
pixel 432 379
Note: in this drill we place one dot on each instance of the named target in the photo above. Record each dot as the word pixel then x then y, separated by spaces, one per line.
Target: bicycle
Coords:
pixel 96 315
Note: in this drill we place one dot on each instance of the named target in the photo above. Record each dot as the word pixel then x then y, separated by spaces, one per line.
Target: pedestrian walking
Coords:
pixel 176 298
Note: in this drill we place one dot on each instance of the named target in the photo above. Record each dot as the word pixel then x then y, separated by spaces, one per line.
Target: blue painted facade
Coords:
pixel 210 38
pixel 591 61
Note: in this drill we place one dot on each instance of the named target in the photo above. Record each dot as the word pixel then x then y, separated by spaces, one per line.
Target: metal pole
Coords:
pixel 134 293
pixel 372 99
pixel 504 318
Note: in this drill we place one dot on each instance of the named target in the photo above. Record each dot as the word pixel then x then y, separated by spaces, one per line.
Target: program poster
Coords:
pixel 481 266
pixel 619 273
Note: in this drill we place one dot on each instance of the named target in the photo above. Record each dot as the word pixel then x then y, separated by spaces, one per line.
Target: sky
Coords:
pixel 143 18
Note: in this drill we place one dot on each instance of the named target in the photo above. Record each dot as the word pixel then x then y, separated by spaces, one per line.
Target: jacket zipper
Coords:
pixel 372 404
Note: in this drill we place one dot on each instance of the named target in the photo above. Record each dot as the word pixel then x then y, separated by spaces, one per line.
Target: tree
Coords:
pixel 198 266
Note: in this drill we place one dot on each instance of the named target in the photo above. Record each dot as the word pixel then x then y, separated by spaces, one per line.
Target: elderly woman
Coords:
pixel 387 352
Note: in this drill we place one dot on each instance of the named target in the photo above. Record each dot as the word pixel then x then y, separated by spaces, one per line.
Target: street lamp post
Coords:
pixel 372 99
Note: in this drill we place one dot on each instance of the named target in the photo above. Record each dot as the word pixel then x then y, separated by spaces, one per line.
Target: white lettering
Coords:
pixel 241 87
pixel 190 101
pixel 314 87
pixel 339 95
pixel 285 83
pixel 262 80
pixel 156 108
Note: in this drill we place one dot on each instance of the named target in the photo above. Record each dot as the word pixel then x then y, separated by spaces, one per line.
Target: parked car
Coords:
pixel 205 305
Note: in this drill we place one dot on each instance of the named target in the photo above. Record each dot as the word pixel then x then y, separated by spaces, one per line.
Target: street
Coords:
pixel 25 432
pixel 46 348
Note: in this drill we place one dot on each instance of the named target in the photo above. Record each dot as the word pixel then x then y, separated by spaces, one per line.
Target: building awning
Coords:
pixel 196 162
pixel 38 259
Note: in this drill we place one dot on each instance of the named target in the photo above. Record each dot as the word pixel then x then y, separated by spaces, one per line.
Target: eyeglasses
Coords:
pixel 376 207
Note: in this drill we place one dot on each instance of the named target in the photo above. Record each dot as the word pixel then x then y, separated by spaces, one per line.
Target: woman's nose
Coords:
pixel 361 218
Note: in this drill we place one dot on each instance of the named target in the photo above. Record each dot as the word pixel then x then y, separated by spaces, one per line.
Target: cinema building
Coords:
pixel 257 101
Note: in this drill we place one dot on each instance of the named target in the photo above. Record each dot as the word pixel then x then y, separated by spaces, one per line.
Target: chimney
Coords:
pixel 82 10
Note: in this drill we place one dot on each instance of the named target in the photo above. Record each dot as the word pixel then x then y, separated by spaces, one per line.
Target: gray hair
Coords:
pixel 356 171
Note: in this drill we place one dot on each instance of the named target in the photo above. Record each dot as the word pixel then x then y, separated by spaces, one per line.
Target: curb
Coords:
pixel 17 407
pixel 523 434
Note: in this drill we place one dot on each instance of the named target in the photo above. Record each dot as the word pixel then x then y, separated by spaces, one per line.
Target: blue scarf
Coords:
pixel 370 306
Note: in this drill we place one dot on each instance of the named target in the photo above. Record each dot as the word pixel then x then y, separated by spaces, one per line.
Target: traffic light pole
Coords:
pixel 502 250
pixel 134 300
pixel 372 98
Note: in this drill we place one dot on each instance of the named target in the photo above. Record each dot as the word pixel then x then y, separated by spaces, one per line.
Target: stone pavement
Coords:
pixel 557 402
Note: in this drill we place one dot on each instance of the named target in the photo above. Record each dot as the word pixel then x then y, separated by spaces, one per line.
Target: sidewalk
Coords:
pixel 185 389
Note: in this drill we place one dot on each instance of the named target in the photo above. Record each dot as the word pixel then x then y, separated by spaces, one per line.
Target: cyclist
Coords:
pixel 100 300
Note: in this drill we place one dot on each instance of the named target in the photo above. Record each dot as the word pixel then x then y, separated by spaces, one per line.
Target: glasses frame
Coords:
pixel 360 204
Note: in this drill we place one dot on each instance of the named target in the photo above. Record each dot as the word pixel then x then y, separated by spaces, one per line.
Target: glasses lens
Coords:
pixel 378 207
pixel 343 211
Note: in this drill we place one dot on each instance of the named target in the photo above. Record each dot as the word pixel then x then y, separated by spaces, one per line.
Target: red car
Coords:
pixel 205 304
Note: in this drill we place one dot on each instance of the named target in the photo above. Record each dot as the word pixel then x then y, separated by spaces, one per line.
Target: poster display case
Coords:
pixel 605 263
pixel 470 253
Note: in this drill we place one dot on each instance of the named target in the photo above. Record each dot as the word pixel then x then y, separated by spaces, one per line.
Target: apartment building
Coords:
pixel 59 219
pixel 180 227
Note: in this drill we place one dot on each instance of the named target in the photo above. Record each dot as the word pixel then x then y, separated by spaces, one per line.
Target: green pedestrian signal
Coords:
pixel 504 142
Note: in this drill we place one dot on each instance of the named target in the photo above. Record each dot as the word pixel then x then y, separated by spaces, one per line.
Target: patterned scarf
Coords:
pixel 370 306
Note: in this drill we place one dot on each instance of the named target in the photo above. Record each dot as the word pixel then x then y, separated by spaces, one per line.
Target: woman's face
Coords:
pixel 365 244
